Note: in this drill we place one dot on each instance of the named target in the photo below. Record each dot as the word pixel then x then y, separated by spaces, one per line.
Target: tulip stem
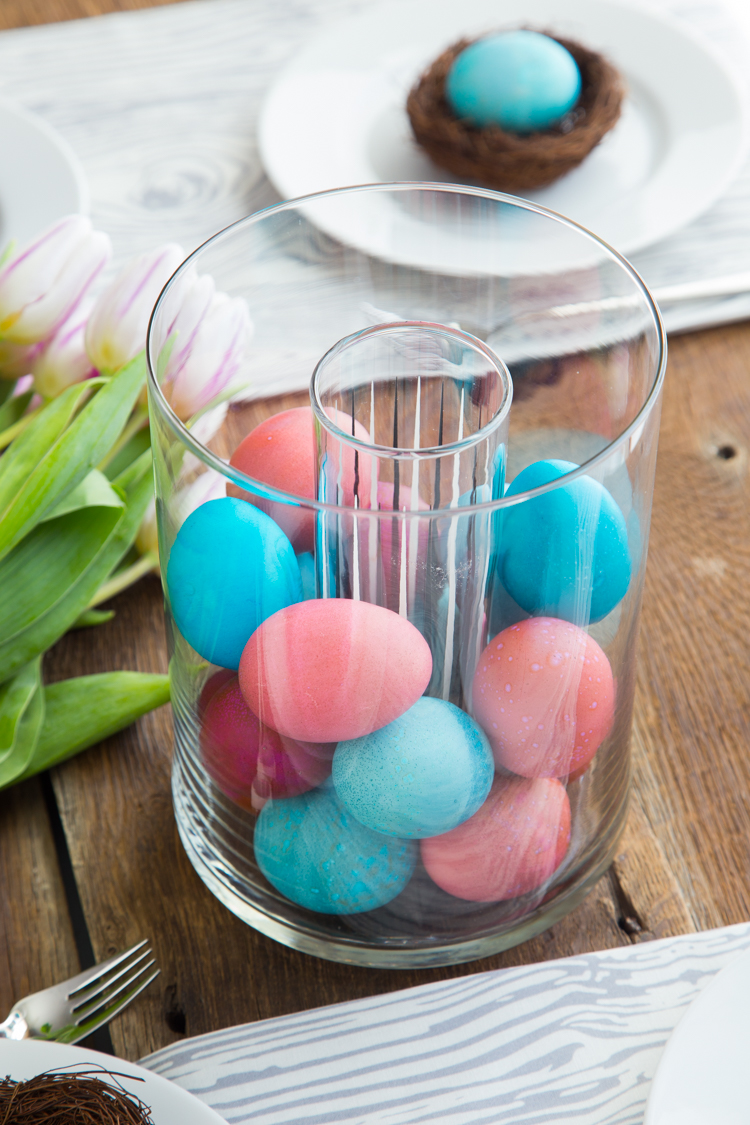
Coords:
pixel 136 423
pixel 125 578
pixel 7 436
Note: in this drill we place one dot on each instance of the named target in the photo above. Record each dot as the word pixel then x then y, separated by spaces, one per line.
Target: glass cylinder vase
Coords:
pixel 403 553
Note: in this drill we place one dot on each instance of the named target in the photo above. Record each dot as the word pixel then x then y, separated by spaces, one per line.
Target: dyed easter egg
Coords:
pixel 420 775
pixel 510 847
pixel 281 452
pixel 544 695
pixel 318 855
pixel 334 669
pixel 519 80
pixel 230 567
pixel 565 553
pixel 306 564
pixel 250 762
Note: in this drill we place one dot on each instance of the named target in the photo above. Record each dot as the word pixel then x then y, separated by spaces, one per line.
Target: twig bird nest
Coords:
pixel 509 161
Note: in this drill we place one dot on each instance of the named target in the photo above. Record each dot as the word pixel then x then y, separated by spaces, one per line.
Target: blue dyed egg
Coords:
pixel 420 776
pixel 230 568
pixel 565 553
pixel 315 852
pixel 519 80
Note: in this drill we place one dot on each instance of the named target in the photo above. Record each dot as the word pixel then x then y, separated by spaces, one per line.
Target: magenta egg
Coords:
pixel 510 847
pixel 332 669
pixel 544 695
pixel 248 761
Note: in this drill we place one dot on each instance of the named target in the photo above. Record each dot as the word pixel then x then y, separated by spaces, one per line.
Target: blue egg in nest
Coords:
pixel 522 81
pixel 419 776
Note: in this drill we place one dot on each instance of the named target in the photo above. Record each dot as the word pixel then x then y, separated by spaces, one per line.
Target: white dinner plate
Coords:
pixel 336 114
pixel 703 1077
pixel 41 179
pixel 169 1104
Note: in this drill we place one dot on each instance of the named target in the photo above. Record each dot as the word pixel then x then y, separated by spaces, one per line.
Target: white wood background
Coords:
pixel 161 108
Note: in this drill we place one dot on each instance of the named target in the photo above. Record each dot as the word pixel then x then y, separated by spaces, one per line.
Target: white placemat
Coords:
pixel 161 107
pixel 574 1041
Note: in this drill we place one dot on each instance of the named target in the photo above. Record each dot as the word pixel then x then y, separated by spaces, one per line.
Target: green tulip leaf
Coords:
pixel 132 449
pixel 73 455
pixel 27 451
pixel 94 491
pixel 21 719
pixel 7 386
pixel 83 711
pixel 13 408
pixel 38 573
pixel 48 624
pixel 91 617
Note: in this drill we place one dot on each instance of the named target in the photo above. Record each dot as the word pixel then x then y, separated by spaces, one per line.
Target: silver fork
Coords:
pixel 73 1009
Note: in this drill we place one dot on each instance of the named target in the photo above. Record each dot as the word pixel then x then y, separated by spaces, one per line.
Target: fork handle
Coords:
pixel 15 1027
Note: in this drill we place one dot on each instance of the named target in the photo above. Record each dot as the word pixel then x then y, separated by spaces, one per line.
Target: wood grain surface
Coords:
pixel 684 860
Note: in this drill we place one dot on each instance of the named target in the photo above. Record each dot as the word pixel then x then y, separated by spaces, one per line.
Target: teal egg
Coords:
pixel 230 567
pixel 564 554
pixel 420 775
pixel 519 80
pixel 318 855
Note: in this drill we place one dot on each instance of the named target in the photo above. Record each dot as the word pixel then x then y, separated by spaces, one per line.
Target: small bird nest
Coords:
pixel 513 161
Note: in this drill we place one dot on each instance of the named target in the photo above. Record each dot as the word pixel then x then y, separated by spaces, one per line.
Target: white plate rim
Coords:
pixel 15 113
pixel 34 1056
pixel 683 1060
pixel 276 139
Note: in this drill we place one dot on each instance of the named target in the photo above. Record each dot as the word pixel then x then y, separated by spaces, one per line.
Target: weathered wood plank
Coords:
pixel 37 948
pixel 692 768
pixel 23 13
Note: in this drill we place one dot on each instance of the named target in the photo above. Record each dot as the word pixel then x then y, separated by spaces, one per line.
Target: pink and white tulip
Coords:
pixel 64 360
pixel 42 284
pixel 116 331
pixel 209 334
pixel 17 360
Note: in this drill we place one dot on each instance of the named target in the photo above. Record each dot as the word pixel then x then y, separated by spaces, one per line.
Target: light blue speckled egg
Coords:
pixel 420 776
pixel 519 80
pixel 318 855
pixel 564 554
pixel 230 567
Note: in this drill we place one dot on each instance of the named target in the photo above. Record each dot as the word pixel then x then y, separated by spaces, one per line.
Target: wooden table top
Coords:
pixel 90 861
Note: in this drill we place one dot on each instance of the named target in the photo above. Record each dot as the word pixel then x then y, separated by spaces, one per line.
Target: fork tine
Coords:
pixel 82 996
pixel 80 1031
pixel 86 978
pixel 88 1009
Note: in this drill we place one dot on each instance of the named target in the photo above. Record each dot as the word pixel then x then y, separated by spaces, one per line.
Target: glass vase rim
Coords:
pixel 212 461
pixel 402 453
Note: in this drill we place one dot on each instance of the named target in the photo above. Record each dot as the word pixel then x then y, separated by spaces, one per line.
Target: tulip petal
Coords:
pixel 116 330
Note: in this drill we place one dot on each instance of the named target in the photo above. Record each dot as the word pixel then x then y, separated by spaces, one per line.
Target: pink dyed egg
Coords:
pixel 543 693
pixel 511 846
pixel 281 452
pixel 248 761
pixel 334 669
